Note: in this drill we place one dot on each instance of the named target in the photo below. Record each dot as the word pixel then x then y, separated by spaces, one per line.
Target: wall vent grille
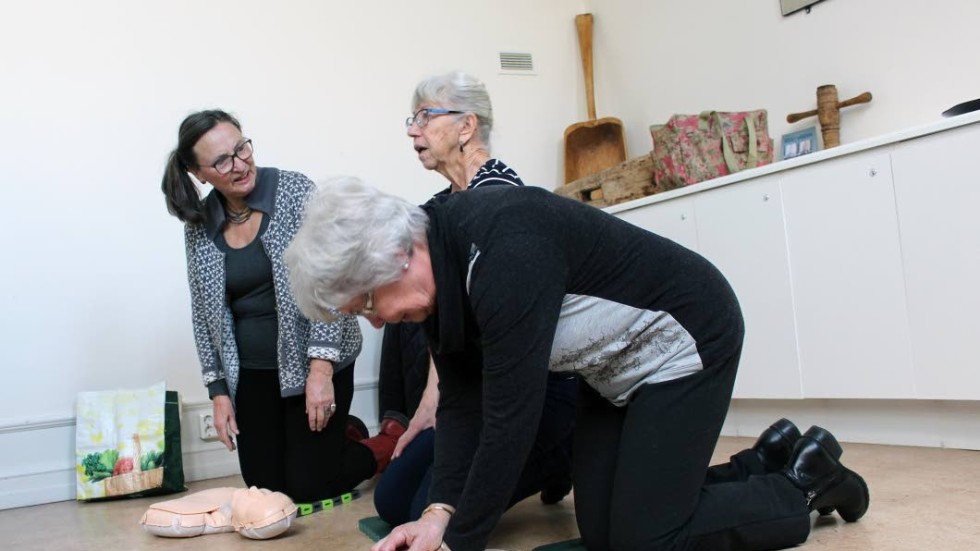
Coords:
pixel 516 63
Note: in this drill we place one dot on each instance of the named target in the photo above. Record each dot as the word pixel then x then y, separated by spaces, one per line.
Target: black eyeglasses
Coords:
pixel 422 116
pixel 224 164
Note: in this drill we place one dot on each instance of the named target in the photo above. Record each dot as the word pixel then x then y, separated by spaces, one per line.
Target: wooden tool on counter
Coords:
pixel 828 113
pixel 595 144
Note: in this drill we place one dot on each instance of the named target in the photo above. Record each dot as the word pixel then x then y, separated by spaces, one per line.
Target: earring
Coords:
pixel 460 147
pixel 405 266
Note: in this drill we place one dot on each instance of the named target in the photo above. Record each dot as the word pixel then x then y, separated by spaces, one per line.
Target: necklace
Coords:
pixel 239 216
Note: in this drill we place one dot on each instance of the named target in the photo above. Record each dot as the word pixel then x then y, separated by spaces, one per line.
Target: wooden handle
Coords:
pixel 583 23
pixel 793 117
pixel 861 98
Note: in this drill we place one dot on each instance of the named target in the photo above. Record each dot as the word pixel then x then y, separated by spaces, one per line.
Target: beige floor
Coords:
pixel 921 498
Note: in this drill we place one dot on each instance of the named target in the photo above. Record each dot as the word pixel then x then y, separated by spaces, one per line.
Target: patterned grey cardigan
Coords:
pixel 282 196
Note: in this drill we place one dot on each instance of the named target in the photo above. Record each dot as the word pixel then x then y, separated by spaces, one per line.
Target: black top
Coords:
pixel 528 281
pixel 252 299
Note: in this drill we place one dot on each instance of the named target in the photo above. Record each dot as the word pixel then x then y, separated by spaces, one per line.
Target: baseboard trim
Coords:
pixel 923 423
pixel 25 481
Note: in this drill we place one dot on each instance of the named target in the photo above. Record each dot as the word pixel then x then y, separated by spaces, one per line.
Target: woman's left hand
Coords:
pixel 421 535
pixel 320 404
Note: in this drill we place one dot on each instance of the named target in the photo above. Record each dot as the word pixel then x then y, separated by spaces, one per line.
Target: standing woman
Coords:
pixel 450 130
pixel 276 379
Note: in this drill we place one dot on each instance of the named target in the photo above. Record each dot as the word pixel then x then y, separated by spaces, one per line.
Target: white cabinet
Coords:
pixel 846 272
pixel 856 267
pixel 671 219
pixel 937 191
pixel 740 230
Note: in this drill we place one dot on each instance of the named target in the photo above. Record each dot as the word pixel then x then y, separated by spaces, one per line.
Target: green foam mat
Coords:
pixel 374 527
pixel 570 545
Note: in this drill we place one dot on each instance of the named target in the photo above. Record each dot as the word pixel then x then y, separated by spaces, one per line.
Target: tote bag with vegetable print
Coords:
pixel 127 443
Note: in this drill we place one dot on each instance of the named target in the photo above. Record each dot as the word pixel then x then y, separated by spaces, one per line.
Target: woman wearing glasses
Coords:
pixel 276 379
pixel 528 283
pixel 450 131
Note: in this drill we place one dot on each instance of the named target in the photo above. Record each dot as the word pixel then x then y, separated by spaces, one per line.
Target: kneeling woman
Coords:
pixel 531 282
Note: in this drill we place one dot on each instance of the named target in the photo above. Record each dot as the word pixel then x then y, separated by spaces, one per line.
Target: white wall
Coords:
pixel 661 57
pixel 96 292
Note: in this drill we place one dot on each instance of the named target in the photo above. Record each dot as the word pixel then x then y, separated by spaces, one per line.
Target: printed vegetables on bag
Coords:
pixel 151 460
pixel 100 465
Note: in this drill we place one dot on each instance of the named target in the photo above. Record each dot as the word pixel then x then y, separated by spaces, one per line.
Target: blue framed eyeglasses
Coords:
pixel 422 116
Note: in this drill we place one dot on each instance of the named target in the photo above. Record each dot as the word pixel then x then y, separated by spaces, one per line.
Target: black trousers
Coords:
pixel 642 480
pixel 278 451
pixel 403 490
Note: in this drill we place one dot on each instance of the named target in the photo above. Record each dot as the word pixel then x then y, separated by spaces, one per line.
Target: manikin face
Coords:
pixel 222 143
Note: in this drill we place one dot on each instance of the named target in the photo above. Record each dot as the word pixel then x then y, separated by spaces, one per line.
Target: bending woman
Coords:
pixel 530 283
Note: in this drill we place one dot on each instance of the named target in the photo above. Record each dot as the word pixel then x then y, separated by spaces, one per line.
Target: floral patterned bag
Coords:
pixel 127 443
pixel 694 148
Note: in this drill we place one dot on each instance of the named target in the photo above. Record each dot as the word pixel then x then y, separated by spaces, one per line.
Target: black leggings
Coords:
pixel 278 451
pixel 640 474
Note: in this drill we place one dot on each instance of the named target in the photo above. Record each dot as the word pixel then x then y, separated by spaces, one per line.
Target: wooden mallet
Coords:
pixel 828 113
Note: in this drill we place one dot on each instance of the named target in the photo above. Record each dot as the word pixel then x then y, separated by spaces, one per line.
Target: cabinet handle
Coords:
pixel 873 172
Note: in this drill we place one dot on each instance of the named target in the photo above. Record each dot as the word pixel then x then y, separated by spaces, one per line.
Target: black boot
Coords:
pixel 816 470
pixel 556 489
pixel 775 445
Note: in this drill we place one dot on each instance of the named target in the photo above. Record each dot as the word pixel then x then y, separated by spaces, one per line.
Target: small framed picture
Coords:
pixel 800 143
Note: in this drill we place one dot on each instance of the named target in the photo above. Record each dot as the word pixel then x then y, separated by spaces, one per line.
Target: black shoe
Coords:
pixel 775 445
pixel 815 469
pixel 555 491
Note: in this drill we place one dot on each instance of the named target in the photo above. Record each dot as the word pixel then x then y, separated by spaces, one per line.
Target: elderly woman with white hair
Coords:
pixel 530 282
pixel 450 126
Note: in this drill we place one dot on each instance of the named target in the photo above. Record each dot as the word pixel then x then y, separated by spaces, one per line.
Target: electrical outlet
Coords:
pixel 206 427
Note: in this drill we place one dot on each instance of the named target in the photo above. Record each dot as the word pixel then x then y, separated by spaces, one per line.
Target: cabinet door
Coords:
pixel 846 272
pixel 673 219
pixel 740 230
pixel 937 192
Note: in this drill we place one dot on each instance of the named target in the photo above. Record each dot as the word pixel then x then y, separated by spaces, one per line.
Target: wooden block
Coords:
pixel 626 181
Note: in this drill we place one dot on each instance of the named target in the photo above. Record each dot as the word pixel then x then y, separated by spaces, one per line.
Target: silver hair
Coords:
pixel 461 92
pixel 353 239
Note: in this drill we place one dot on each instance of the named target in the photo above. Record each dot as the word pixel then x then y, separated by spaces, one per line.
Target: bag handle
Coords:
pixel 753 159
pixel 727 152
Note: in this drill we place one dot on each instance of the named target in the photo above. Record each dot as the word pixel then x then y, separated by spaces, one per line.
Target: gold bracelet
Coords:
pixel 439 506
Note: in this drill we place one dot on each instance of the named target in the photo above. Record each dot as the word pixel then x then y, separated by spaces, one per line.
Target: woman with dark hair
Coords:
pixel 276 378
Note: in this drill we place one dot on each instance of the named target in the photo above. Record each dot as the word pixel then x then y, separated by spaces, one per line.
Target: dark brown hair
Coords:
pixel 182 198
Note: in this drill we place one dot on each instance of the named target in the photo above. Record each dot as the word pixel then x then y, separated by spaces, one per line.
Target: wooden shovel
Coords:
pixel 593 145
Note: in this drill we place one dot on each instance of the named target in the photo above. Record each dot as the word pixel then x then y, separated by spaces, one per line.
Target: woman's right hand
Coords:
pixel 424 418
pixel 224 420
pixel 425 414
